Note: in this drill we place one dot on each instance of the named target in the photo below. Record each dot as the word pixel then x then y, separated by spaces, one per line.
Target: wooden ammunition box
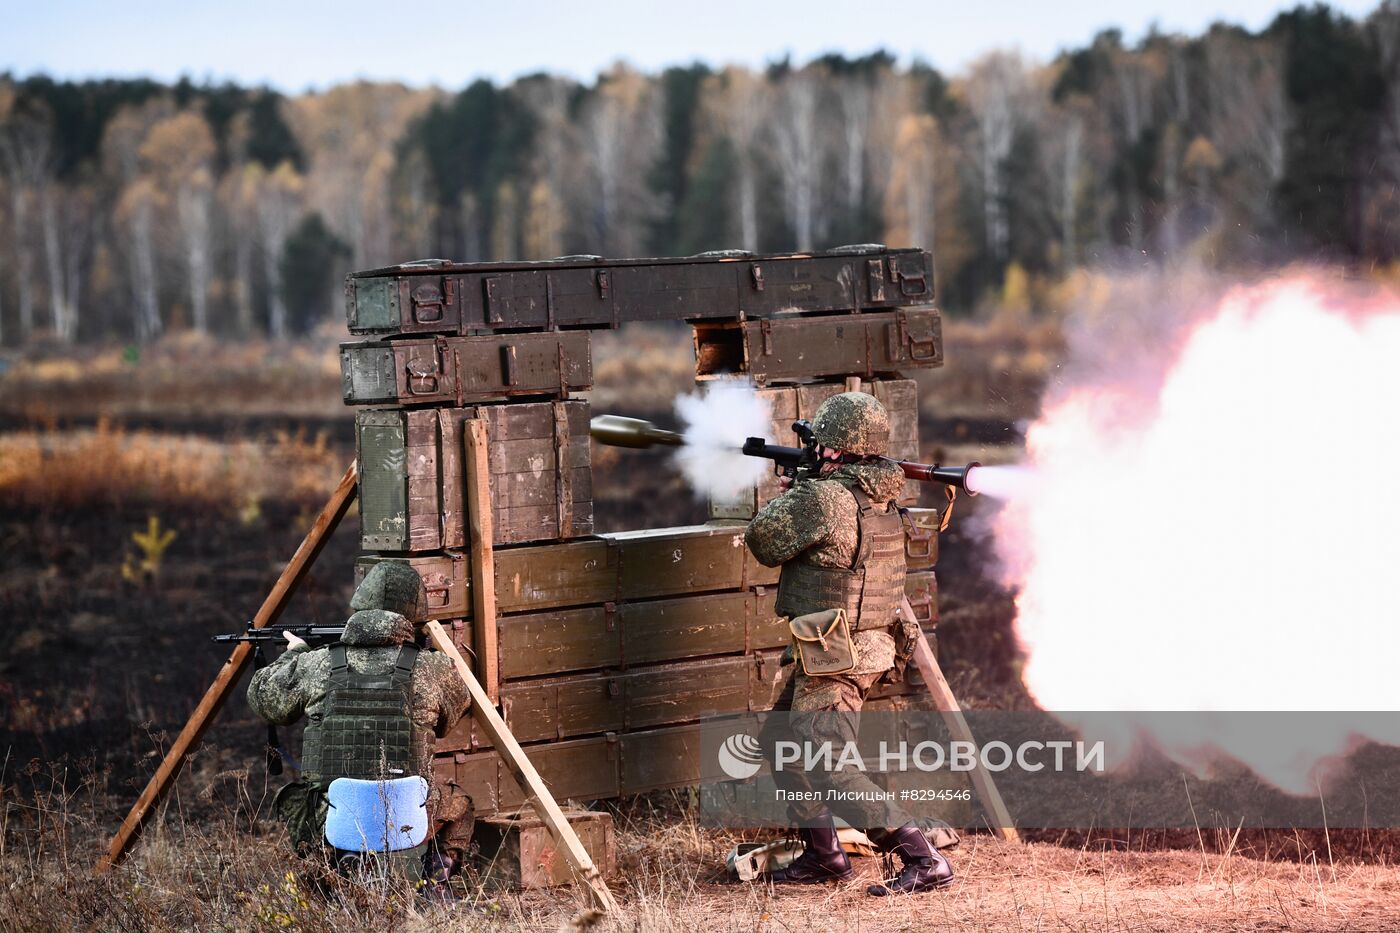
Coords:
pixel 662 661
pixel 465 369
pixel 412 485
pixel 438 297
pixel 615 567
pixel 517 851
pixel 792 403
pixel 831 345
pixel 619 568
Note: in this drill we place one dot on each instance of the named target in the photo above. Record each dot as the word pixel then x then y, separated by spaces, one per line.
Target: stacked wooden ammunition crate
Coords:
pixel 608 649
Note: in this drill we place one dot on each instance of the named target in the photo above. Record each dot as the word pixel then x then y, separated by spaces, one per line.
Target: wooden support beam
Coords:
pixel 213 700
pixel 853 384
pixel 513 756
pixel 947 704
pixel 481 555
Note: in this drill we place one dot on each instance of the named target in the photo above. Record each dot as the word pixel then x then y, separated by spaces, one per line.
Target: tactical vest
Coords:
pixel 870 591
pixel 366 730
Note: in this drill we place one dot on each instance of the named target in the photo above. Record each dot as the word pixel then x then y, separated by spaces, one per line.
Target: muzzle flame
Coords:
pixel 1221 534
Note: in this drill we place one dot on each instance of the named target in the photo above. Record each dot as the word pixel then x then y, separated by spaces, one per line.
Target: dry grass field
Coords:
pixel 104 453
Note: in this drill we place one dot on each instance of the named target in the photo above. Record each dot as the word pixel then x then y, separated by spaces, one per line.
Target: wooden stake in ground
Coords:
pixel 218 691
pixel 947 704
pixel 482 558
pixel 513 756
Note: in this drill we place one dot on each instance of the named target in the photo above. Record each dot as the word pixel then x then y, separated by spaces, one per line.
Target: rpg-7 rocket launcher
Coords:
pixel 793 462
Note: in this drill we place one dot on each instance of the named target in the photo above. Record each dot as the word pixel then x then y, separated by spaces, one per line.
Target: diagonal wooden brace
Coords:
pixel 513 756
pixel 947 704
pixel 223 684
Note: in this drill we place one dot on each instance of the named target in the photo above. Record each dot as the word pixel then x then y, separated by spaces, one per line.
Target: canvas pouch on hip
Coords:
pixel 823 642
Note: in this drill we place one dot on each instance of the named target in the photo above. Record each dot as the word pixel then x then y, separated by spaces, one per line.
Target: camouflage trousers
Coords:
pixel 826 709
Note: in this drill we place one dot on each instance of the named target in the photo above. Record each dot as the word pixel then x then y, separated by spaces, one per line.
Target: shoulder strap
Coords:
pixel 864 509
pixel 403 664
pixel 339 663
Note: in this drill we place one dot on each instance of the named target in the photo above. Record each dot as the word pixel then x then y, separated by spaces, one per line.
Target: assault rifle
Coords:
pixel 313 635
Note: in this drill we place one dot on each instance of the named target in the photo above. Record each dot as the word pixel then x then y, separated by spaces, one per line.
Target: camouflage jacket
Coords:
pixel 815 523
pixel 295 684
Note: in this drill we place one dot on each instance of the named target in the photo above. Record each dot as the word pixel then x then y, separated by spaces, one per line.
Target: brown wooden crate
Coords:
pixel 685 692
pixel 586 572
pixel 562 707
pixel 551 642
pixel 660 759
pixel 457 298
pixel 573 573
pixel 474 776
pixel 575 769
pixel 457 370
pixel 670 629
pixel 531 500
pixel 516 851
pixel 828 345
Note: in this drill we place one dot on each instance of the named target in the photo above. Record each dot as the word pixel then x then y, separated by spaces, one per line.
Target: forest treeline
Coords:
pixel 129 207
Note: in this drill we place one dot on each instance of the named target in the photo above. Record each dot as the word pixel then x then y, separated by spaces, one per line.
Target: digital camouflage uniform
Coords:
pixel 815 523
pixel 813 531
pixel 297 683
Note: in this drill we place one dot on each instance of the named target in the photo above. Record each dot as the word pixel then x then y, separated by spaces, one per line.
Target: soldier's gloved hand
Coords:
pixel 294 641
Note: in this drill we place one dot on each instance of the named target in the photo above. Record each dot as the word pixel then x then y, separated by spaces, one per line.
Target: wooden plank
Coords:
pixel 213 699
pixel 514 758
pixel 947 704
pixel 477 480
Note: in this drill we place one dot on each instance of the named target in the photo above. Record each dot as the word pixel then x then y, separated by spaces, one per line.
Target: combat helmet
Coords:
pixel 854 422
pixel 392 586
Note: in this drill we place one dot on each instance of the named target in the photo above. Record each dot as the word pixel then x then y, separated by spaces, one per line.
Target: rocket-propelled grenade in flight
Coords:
pixel 618 431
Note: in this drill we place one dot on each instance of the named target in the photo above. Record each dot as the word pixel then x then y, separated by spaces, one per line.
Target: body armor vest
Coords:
pixel 367 729
pixel 870 591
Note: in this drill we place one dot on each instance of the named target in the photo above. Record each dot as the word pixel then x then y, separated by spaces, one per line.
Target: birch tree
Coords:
pixel 279 206
pixel 1063 134
pixel 137 205
pixel 738 102
pixel 798 149
pixel 996 88
pixel 25 148
pixel 922 194
pixel 554 172
pixel 178 152
pixel 621 134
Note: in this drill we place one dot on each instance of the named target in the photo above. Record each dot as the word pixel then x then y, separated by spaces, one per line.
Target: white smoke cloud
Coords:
pixel 1213 522
pixel 716 421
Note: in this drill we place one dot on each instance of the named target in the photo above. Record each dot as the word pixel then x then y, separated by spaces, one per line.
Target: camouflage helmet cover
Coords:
pixel 854 422
pixel 392 586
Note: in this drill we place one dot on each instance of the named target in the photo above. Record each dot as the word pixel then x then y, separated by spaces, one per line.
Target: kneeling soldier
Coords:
pixel 375 705
pixel 840 541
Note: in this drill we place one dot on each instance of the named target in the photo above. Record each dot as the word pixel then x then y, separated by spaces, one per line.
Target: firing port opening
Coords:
pixel 719 349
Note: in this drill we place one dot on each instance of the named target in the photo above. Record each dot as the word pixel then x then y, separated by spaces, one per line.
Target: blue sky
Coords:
pixel 294 45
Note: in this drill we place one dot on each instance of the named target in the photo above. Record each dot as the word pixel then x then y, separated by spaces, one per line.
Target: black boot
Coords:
pixel 923 868
pixel 439 867
pixel 822 859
